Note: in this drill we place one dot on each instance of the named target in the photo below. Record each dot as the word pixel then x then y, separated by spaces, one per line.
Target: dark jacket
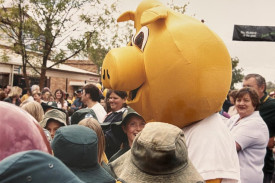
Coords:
pixel 9 99
pixel 112 142
pixel 267 112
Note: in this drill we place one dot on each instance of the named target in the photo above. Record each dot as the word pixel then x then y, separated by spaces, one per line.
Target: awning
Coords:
pixel 77 83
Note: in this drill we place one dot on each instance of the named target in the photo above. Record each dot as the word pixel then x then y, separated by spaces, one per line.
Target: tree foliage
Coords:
pixel 180 8
pixel 237 75
pixel 16 24
pixel 57 30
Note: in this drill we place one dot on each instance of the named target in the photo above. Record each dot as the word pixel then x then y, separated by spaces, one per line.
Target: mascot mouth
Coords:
pixel 133 93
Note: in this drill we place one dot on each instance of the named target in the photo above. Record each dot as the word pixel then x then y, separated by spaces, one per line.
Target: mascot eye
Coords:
pixel 141 38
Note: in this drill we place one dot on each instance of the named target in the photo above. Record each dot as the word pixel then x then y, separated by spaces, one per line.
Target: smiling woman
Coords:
pixel 117 102
pixel 251 135
pixel 246 102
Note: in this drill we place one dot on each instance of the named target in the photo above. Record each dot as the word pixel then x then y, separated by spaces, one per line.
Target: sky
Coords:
pixel 221 15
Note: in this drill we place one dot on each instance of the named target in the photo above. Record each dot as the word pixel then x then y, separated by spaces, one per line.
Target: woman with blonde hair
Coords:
pixel 14 96
pixel 35 109
pixel 94 125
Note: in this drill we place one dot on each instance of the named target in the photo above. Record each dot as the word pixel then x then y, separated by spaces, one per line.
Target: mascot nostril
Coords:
pixel 108 74
pixel 103 74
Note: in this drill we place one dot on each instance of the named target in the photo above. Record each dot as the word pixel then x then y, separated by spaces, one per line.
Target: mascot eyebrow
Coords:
pixel 149 16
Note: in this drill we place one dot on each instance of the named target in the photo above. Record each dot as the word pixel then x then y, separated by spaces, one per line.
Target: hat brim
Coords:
pixel 46 107
pixel 44 122
pixel 125 169
pixel 95 174
pixel 116 126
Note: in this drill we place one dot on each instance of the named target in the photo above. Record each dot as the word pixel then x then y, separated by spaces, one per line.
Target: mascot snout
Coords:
pixel 123 69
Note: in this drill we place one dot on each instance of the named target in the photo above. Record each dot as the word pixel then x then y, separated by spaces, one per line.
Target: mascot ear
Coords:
pixel 153 14
pixel 128 15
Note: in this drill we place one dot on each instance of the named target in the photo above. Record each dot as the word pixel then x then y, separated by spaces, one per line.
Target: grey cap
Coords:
pixel 80 114
pixel 76 147
pixel 35 166
pixel 54 114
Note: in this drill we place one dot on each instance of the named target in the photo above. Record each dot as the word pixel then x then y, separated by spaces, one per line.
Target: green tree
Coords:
pixel 16 24
pixel 59 27
pixel 114 35
pixel 237 75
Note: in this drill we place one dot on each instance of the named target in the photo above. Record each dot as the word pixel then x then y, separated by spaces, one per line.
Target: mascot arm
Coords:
pixel 214 181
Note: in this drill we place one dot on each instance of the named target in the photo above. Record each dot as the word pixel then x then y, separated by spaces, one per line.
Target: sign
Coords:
pixel 253 33
pixel 17 69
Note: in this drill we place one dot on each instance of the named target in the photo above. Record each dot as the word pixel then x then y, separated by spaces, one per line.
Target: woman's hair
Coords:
pixel 94 125
pixel 15 91
pixel 36 92
pixel 121 94
pixel 2 95
pixel 62 97
pixel 252 93
pixel 93 91
pixel 232 94
pixel 35 109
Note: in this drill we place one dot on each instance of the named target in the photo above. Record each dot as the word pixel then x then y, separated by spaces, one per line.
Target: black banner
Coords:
pixel 253 33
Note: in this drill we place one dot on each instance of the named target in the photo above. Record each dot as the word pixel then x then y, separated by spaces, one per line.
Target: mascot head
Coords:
pixel 175 69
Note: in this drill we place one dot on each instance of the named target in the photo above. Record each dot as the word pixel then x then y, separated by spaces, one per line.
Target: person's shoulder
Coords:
pixel 254 120
pixel 270 101
pixel 267 106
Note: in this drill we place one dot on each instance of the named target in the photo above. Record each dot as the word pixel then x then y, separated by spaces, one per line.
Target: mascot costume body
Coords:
pixel 177 71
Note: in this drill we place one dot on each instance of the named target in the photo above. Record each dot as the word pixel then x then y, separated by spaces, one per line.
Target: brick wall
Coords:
pixel 83 64
pixel 60 83
pixel 57 83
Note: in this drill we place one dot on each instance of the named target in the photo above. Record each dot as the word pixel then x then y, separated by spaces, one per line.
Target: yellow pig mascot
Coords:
pixel 176 70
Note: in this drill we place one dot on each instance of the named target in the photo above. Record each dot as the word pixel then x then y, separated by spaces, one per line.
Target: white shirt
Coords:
pixel 65 104
pixel 212 149
pixel 100 112
pixel 252 134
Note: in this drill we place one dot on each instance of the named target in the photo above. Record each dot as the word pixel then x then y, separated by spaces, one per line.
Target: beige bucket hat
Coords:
pixel 158 154
pixel 54 114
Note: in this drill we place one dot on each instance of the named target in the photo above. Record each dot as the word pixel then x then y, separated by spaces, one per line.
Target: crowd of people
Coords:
pixel 98 138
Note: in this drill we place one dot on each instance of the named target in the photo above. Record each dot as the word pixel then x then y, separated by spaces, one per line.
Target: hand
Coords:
pixel 271 143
